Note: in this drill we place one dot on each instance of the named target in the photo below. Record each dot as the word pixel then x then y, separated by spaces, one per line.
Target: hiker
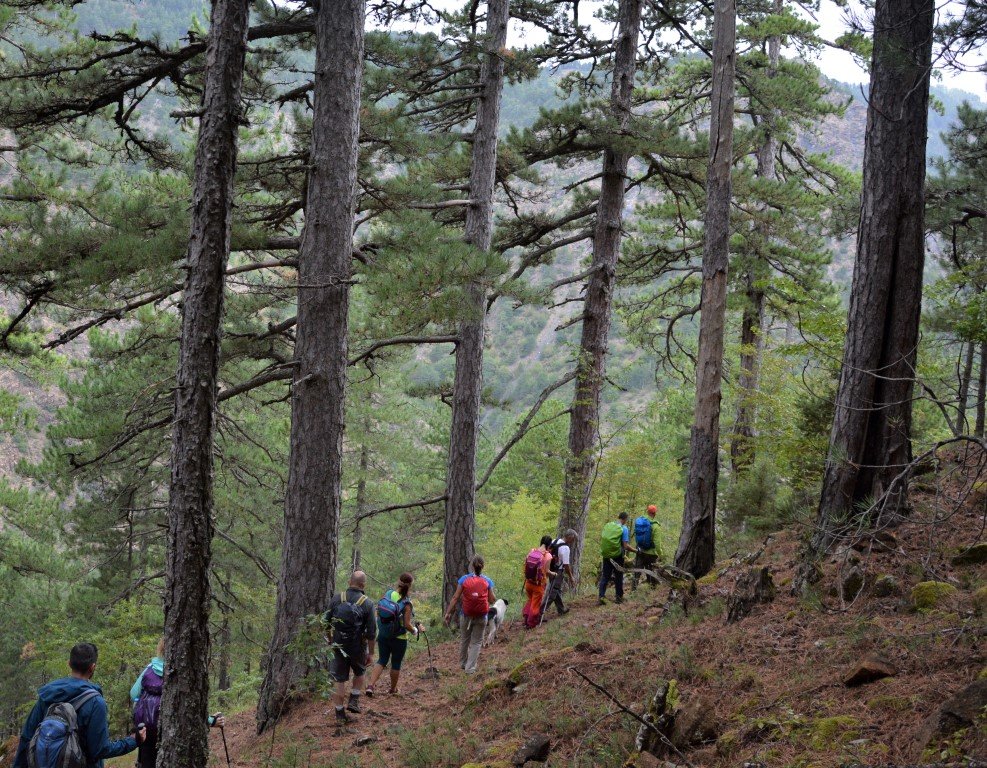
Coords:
pixel 561 550
pixel 350 619
pixel 477 593
pixel 614 542
pixel 145 694
pixel 648 552
pixel 395 612
pixel 54 731
pixel 537 572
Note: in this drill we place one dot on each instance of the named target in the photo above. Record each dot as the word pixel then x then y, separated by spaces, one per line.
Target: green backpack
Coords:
pixel 612 540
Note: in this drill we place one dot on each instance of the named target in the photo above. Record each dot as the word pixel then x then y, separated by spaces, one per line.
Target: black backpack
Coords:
pixel 554 549
pixel 56 742
pixel 346 621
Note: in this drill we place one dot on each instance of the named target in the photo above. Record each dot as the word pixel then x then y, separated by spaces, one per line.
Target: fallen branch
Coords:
pixel 651 726
pixel 669 574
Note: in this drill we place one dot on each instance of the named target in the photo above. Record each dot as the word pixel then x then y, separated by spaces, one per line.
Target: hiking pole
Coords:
pixel 431 673
pixel 222 731
pixel 547 601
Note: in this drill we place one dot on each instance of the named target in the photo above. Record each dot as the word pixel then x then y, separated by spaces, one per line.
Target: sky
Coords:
pixel 833 21
pixel 840 65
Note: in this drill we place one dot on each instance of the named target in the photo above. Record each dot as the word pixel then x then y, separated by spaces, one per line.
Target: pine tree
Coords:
pixel 871 437
pixel 460 503
pixel 185 701
pixel 312 501
pixel 584 423
pixel 696 548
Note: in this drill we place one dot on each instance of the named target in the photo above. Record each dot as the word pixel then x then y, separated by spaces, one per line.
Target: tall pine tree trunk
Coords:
pixel 185 702
pixel 362 503
pixel 312 500
pixel 963 396
pixel 752 327
pixel 978 428
pixel 460 509
pixel 697 542
pixel 870 440
pixel 223 678
pixel 584 423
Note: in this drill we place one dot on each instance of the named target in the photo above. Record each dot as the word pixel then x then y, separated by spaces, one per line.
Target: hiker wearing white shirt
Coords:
pixel 562 554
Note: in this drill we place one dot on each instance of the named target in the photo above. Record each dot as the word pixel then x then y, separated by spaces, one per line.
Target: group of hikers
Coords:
pixel 68 725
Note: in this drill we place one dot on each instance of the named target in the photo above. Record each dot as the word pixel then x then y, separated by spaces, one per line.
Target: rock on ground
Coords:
pixel 868 670
pixel 535 749
pixel 961 711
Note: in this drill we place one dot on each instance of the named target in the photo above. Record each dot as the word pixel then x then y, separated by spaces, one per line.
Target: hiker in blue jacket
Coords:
pixel 94 732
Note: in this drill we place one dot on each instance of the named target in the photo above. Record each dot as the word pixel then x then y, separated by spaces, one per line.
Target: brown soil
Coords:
pixel 773 680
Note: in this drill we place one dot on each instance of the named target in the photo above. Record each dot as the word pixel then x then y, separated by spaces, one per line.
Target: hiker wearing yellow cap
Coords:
pixel 648 549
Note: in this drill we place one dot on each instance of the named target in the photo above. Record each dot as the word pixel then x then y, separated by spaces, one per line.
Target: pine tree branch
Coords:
pixel 397 340
pixel 523 428
pixel 279 373
pixel 84 102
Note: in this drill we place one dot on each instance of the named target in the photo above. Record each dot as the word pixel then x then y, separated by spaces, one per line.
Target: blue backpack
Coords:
pixel 642 533
pixel 56 742
pixel 390 613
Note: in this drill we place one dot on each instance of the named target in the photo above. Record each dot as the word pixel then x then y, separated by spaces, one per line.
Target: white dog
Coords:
pixel 495 617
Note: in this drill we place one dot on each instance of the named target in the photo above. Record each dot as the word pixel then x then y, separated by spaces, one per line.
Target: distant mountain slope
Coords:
pixel 170 19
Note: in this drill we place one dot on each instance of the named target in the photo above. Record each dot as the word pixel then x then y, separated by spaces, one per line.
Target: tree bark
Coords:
pixel 697 542
pixel 223 681
pixel 978 429
pixel 584 422
pixel 963 395
pixel 312 500
pixel 362 505
pixel 870 440
pixel 460 508
pixel 185 701
pixel 742 447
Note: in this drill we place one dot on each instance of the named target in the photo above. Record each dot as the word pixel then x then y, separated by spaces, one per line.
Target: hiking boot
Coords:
pixel 602 601
pixel 341 718
pixel 563 611
pixel 369 691
pixel 619 600
pixel 354 705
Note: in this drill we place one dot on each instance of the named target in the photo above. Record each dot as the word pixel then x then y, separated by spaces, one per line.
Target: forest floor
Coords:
pixel 767 689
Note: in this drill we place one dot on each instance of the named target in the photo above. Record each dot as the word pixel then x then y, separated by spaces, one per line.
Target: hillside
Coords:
pixel 768 690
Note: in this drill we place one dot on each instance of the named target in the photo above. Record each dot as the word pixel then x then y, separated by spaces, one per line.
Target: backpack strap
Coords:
pixel 84 697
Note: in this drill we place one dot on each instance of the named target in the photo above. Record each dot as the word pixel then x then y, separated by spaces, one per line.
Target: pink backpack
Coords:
pixel 533 567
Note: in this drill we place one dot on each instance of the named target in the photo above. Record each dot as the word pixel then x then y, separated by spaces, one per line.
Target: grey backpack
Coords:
pixel 56 742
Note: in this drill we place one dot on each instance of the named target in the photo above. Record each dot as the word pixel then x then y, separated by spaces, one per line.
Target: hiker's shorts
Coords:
pixel 342 665
pixel 391 649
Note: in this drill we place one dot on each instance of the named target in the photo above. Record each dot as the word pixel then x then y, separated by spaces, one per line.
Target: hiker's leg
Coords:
pixel 397 659
pixel 383 657
pixel 339 695
pixel 639 561
pixel 618 580
pixel 378 670
pixel 147 751
pixel 475 634
pixel 464 641
pixel 339 672
pixel 650 562
pixel 537 600
pixel 555 596
pixel 605 576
